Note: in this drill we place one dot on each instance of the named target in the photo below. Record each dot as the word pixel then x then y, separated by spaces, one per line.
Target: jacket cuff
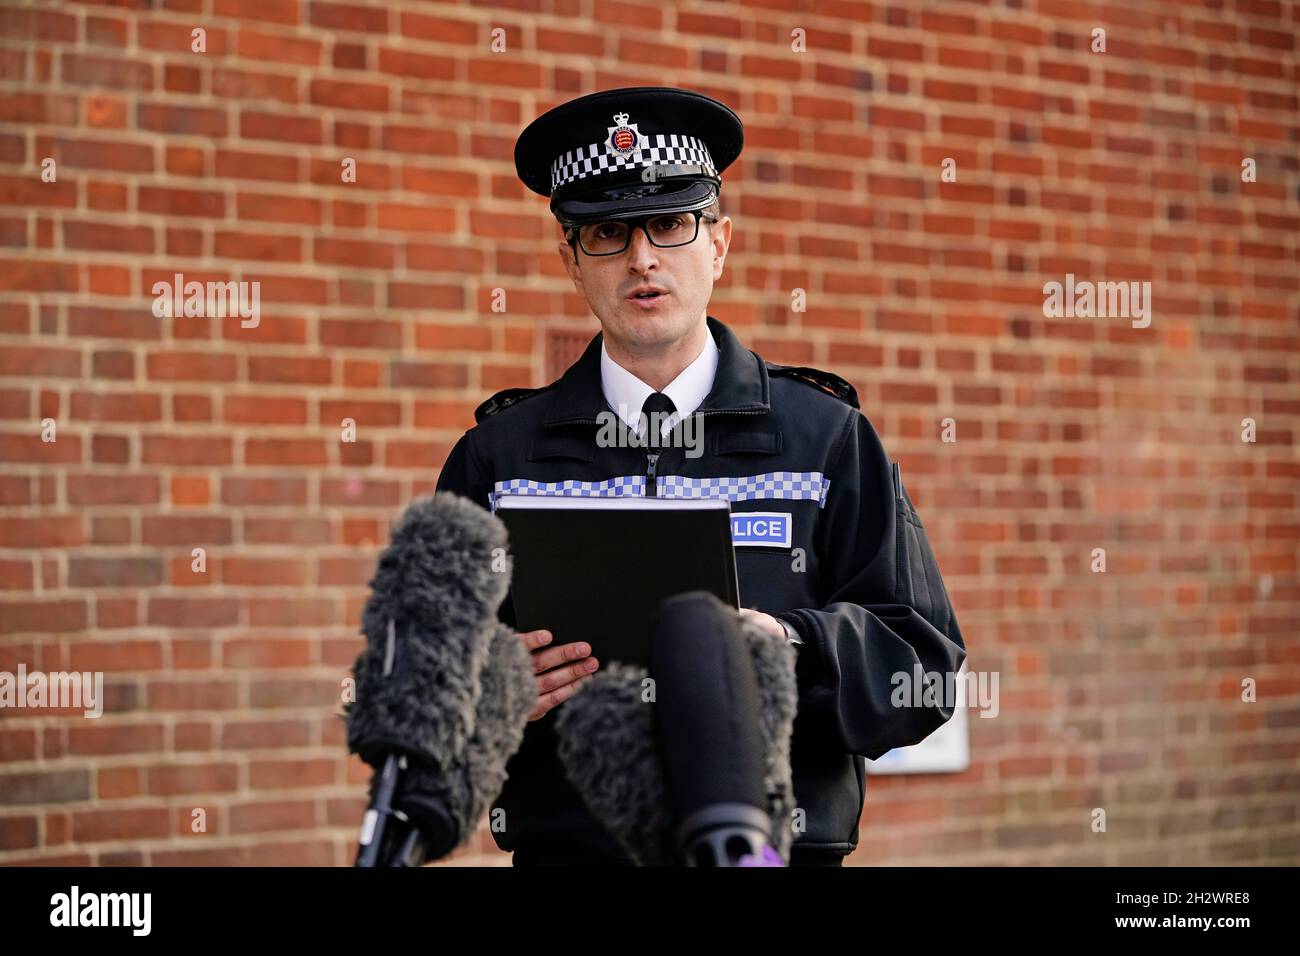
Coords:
pixel 808 671
pixel 789 622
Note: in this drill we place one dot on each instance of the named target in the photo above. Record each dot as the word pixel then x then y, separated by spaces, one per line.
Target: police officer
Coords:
pixel 830 553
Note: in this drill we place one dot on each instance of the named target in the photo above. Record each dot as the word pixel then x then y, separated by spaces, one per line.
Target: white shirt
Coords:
pixel 625 394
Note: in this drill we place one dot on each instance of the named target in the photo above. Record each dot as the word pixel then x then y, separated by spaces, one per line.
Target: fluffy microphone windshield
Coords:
pixel 509 694
pixel 436 584
pixel 608 745
pixel 441 680
pixel 449 797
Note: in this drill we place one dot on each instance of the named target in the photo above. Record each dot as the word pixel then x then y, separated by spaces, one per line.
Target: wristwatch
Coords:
pixel 790 633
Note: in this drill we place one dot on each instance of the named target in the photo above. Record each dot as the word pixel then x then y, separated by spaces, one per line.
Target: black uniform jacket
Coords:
pixel 842 556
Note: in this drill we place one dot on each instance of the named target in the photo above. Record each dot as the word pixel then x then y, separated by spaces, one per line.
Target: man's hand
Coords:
pixel 766 621
pixel 560 670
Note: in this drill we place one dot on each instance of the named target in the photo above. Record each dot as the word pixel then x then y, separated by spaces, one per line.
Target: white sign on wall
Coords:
pixel 947 750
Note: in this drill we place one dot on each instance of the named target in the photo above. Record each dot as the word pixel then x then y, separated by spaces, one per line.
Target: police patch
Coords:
pixel 756 529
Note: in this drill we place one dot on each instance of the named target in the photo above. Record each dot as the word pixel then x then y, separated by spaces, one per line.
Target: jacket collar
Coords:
pixel 626 394
pixel 740 384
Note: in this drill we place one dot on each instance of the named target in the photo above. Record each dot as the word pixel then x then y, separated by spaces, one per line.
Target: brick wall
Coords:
pixel 1119 690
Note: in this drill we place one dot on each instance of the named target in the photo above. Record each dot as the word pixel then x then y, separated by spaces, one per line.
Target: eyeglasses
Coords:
pixel 664 230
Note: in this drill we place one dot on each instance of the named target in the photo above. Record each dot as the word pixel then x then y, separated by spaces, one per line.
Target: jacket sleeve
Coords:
pixel 885 613
pixel 462 474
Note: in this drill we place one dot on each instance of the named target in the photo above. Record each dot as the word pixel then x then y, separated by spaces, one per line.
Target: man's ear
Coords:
pixel 569 260
pixel 720 233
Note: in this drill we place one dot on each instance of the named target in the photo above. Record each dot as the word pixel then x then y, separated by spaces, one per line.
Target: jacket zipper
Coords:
pixel 652 459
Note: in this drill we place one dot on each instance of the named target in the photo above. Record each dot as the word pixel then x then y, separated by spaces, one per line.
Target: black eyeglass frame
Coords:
pixel 575 235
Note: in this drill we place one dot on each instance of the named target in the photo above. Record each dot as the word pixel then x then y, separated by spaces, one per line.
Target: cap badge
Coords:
pixel 623 138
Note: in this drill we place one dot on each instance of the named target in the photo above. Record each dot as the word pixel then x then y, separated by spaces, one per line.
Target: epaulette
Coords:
pixel 504 399
pixel 828 382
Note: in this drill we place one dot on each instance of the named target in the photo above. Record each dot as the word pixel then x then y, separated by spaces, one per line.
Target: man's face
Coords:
pixel 686 273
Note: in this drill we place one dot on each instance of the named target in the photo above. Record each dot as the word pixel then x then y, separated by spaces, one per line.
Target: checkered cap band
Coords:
pixel 665 149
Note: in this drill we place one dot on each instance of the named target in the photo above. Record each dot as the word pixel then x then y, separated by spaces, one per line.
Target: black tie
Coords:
pixel 657 402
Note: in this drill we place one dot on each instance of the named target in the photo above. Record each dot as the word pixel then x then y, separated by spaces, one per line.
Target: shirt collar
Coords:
pixel 740 384
pixel 625 393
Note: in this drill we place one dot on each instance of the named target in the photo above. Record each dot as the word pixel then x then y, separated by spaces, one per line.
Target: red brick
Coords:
pixel 185 778
pixel 101 738
pixel 260 86
pixel 257 45
pixel 349 95
pixel 358 492
pixel 192 612
pixel 190 490
pixel 427 375
pixel 291 774
pixel 262 572
pixel 355 253
pixel 289 209
pixel 17 745
pixel 105 236
pixel 364 413
pixel 51 786
pixel 247 164
pixel 29 275
pixel 301 531
pixel 114 572
pixel 192 121
pixel 18 832
pixel 268 815
pixel 277 612
pixel 163 450
pixel 126 407
pixel 100 71
pixel 190 366
pixel 263 491
pixel 36 24
pixel 257 246
pixel 188 531
pixel 264 410
pixel 191 695
pixel 423 66
pixel 289 369
pixel 351 17
pixel 288 12
pixel 260 653
pixel 283 127
pixel 181 202
pixel 97 826
pixel 421 26
pixel 360 333
pixel 53 616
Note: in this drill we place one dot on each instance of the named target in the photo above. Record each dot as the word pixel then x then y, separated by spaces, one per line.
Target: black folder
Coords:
pixel 595 569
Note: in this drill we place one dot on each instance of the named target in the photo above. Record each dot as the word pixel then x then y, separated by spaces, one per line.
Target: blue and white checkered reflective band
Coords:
pixel 785 485
pixel 664 149
pixel 788 485
pixel 619 487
